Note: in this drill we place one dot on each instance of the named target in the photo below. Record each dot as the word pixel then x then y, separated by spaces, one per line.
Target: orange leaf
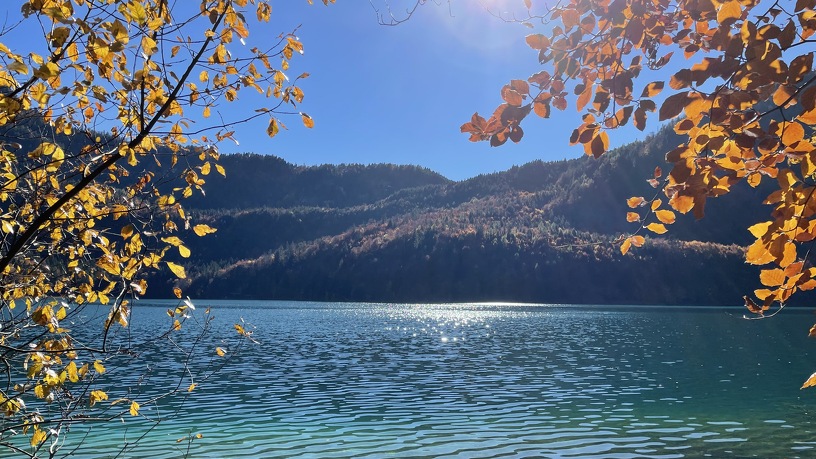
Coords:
pixel 665 216
pixel 749 303
pixel 638 241
pixel 511 96
pixel 763 294
pixel 520 86
pixel 632 217
pixel 657 228
pixel 570 18
pixel 772 277
pixel 673 106
pixel 635 202
pixel 682 204
pixel 627 244
pixel 584 98
pixel 794 269
pixel 790 133
pixel 758 254
pixel 538 41
pixel 640 118
pixel 541 108
pixel 811 381
pixel 600 144
pixel 729 11
pixel 652 89
pixel 788 255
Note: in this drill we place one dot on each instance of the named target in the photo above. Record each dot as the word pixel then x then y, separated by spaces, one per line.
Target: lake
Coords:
pixel 482 381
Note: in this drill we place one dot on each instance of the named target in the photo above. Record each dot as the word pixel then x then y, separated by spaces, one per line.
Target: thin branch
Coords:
pixel 28 234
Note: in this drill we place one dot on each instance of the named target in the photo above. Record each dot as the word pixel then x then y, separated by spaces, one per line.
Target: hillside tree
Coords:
pixel 107 123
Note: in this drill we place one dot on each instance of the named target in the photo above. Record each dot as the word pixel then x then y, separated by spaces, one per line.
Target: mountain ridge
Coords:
pixel 541 232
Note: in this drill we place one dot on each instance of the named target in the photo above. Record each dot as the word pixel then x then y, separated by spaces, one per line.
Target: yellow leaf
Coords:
pixel 760 229
pixel 205 168
pixel 138 13
pixel 18 67
pixel 273 128
pixel 134 408
pixel 97 396
pixel 38 437
pixel 99 367
pixel 220 351
pixel 47 71
pixel 192 387
pixel 202 230
pixel 656 228
pixel 221 170
pixel 71 371
pixel 178 270
pixel 172 240
pixel 127 231
pixel 184 251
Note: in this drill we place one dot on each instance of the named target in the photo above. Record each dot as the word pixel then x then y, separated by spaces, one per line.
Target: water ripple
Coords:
pixel 482 381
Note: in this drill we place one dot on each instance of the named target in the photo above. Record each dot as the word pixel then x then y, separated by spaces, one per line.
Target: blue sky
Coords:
pixel 395 94
pixel 399 94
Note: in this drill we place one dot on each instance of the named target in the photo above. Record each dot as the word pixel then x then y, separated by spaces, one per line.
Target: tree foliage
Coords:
pixel 736 76
pixel 106 126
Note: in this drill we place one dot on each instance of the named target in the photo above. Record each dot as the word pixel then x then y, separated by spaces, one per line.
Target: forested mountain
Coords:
pixel 542 232
pixel 268 181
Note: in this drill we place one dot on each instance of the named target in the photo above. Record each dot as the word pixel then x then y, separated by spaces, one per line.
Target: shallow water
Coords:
pixel 473 381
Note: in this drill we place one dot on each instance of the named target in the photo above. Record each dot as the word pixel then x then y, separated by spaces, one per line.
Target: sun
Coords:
pixel 489 25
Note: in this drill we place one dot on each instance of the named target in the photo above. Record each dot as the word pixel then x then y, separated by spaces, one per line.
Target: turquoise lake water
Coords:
pixel 482 381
